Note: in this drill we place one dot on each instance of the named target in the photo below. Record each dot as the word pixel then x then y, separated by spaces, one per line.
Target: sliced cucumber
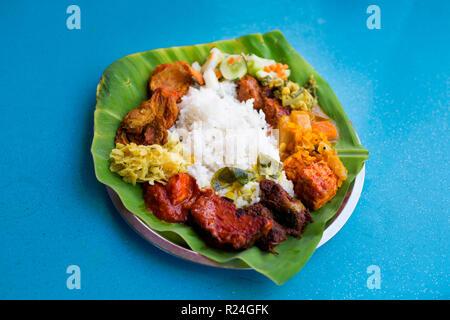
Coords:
pixel 233 67
pixel 256 64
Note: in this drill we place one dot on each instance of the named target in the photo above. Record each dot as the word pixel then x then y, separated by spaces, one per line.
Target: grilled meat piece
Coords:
pixel 148 123
pixel 315 184
pixel 225 225
pixel 249 88
pixel 275 236
pixel 171 203
pixel 287 211
pixel 175 77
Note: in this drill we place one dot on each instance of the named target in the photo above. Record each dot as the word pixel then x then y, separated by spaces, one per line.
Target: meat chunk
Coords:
pixel 122 136
pixel 287 211
pixel 125 137
pixel 182 189
pixel 148 123
pixel 275 236
pixel 135 120
pixel 165 107
pixel 171 203
pixel 225 225
pixel 267 92
pixel 249 88
pixel 175 77
pixel 155 133
pixel 273 111
pixel 315 184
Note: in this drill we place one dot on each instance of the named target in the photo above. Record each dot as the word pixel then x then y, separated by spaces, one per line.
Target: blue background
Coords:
pixel 394 84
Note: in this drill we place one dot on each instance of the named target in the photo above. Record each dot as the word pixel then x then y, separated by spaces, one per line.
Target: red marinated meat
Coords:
pixel 171 202
pixel 316 185
pixel 273 110
pixel 249 88
pixel 226 225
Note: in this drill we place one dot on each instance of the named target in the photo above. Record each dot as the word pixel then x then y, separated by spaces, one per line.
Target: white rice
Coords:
pixel 219 130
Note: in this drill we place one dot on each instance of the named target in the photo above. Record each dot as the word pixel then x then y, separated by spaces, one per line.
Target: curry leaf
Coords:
pixel 226 176
pixel 268 166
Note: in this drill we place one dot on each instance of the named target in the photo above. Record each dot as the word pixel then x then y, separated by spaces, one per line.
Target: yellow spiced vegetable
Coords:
pixel 295 96
pixel 140 163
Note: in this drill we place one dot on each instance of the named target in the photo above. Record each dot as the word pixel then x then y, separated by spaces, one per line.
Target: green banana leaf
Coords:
pixel 123 87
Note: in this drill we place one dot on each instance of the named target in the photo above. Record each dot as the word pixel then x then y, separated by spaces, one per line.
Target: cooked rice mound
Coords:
pixel 212 123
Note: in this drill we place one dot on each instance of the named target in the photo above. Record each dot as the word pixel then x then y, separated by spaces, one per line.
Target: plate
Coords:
pixel 124 84
pixel 179 250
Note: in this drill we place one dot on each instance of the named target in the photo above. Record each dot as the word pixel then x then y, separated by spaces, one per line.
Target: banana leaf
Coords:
pixel 123 86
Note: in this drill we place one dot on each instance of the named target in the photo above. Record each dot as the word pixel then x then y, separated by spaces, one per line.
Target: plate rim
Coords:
pixel 346 209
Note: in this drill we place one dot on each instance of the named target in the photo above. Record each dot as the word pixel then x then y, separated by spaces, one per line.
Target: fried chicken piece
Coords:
pixel 175 77
pixel 287 211
pixel 315 184
pixel 138 118
pixel 155 133
pixel 249 88
pixel 171 203
pixel 165 104
pixel 148 123
pixel 275 236
pixel 124 137
pixel 121 136
pixel 225 225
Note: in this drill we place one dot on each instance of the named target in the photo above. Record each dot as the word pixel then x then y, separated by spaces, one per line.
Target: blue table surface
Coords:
pixel 393 83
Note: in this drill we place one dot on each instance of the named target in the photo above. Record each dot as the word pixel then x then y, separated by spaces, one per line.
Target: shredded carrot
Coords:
pixel 231 60
pixel 277 68
pixel 218 73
